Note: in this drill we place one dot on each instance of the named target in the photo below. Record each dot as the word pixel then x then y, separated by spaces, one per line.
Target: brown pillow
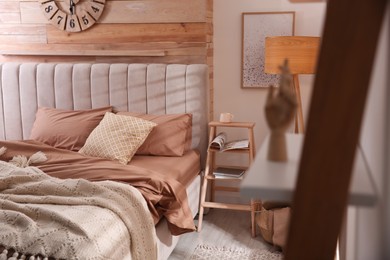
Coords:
pixel 66 129
pixel 171 137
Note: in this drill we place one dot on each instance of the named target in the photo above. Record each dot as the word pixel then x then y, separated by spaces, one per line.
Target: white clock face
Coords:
pixel 72 15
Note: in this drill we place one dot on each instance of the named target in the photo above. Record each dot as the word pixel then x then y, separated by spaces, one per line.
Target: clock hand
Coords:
pixel 71 9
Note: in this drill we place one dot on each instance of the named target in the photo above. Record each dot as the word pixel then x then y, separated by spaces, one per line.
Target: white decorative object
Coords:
pixel 226 117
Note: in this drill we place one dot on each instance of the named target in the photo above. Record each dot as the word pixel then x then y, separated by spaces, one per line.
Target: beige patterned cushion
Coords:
pixel 117 137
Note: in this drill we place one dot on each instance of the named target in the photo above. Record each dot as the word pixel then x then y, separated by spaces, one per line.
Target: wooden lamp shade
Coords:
pixel 301 52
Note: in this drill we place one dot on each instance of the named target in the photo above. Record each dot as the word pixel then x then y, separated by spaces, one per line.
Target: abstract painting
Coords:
pixel 255 27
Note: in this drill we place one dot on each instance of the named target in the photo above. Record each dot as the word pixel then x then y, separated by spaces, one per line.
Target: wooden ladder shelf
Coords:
pixel 210 178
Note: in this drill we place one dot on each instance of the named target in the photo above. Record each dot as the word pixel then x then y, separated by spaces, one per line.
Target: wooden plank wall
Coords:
pixel 143 31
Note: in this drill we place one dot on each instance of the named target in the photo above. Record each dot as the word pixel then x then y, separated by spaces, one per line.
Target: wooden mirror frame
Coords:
pixel 333 128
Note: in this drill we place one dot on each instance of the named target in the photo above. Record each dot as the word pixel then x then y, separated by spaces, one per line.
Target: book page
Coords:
pixel 239 144
pixel 228 172
pixel 219 141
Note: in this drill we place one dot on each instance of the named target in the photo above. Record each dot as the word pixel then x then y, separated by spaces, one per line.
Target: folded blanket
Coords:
pixel 73 218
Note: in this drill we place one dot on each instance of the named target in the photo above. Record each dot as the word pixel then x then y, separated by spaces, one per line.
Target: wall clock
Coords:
pixel 72 15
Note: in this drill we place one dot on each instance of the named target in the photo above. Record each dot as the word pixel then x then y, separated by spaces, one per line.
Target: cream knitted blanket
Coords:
pixel 73 218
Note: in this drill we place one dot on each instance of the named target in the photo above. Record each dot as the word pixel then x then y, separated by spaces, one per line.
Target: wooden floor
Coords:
pixel 223 228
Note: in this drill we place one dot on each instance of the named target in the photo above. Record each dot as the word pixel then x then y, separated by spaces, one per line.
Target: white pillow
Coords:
pixel 117 137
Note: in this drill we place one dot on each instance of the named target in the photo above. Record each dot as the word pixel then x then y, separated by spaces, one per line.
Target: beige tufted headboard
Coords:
pixel 145 88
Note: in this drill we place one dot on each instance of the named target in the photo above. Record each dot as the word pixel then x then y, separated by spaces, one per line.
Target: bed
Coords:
pixel 157 93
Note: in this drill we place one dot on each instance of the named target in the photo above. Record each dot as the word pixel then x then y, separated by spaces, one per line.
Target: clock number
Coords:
pixel 85 20
pixel 59 18
pixel 48 9
pixel 71 23
pixel 95 9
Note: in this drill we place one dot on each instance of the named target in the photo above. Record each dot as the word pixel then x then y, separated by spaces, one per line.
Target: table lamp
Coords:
pixel 301 52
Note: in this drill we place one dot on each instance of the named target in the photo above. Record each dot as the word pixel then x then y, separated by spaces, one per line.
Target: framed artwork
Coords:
pixel 255 27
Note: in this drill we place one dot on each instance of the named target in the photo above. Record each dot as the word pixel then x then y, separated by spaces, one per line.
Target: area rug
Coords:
pixel 202 252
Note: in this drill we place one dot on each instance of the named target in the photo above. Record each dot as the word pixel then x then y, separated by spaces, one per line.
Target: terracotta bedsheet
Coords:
pixel 164 195
pixel 184 168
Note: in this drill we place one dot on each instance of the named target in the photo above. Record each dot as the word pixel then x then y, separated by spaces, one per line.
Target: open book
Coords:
pixel 221 144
